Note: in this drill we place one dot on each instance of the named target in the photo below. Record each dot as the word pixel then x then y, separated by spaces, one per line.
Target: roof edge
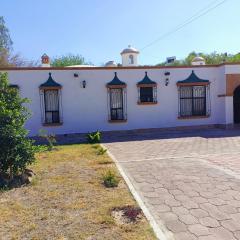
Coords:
pixel 115 68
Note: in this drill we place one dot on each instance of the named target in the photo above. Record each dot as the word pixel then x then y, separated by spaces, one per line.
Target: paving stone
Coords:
pixel 180 210
pixel 234 203
pixel 231 225
pixel 185 236
pixel 198 230
pixel 209 237
pixel 222 234
pixel 209 222
pixel 172 203
pixel 199 213
pixel 147 189
pixel 236 217
pixel 176 226
pixel 188 219
pixel 237 235
pixel 199 200
pixel 190 205
pixel 218 215
pixel 228 209
pixel 168 216
pixel 154 200
pixel 176 192
pixel 217 201
pixel 163 208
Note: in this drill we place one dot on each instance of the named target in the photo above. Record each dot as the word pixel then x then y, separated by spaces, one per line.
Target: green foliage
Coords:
pixel 5 39
pixel 110 179
pixel 51 139
pixel 212 58
pixel 94 137
pixel 68 60
pixel 101 151
pixel 17 151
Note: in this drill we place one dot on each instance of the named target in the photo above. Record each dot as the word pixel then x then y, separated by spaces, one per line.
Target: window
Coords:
pixel 146 94
pixel 51 100
pixel 193 101
pixel 116 104
pixel 131 59
pixel 117 100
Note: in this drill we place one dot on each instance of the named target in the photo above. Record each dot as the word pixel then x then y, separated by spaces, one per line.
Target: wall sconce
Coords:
pixel 166 81
pixel 75 75
pixel 167 73
pixel 84 84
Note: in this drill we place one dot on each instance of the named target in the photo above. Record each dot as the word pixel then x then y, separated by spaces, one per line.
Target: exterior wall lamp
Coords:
pixel 84 83
pixel 167 74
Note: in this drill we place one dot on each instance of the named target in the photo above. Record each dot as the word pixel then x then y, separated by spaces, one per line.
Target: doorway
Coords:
pixel 236 105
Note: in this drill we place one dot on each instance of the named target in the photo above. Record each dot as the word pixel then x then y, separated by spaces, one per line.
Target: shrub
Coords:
pixel 101 151
pixel 17 151
pixel 94 137
pixel 51 139
pixel 132 213
pixel 110 179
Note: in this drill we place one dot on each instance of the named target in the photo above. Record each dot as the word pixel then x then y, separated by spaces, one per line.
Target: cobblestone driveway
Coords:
pixel 189 181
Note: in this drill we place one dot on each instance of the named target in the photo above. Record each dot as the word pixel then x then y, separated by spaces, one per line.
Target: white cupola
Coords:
pixel 129 56
pixel 198 61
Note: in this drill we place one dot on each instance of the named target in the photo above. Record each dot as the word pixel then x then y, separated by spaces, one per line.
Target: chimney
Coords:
pixel 45 60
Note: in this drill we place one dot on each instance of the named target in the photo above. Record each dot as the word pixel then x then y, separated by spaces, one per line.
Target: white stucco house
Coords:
pixel 81 99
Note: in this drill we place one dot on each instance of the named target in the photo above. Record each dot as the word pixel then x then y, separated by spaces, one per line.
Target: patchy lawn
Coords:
pixel 68 201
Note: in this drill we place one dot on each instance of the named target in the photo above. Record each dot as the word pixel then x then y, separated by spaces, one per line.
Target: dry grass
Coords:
pixel 68 201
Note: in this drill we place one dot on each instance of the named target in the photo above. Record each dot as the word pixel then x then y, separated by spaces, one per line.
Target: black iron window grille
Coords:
pixel 51 101
pixel 193 101
pixel 116 104
pixel 146 94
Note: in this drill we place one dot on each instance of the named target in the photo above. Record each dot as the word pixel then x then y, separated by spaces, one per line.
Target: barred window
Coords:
pixel 117 104
pixel 194 101
pixel 51 100
pixel 147 95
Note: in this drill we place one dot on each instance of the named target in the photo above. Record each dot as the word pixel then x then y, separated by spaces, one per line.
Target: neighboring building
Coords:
pixel 83 99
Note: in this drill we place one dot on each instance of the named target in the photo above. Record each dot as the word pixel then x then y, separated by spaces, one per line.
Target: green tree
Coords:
pixel 5 39
pixel 17 151
pixel 69 60
pixel 211 58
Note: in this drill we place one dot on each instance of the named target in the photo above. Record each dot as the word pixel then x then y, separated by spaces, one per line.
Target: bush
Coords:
pixel 110 179
pixel 101 151
pixel 51 139
pixel 17 151
pixel 94 137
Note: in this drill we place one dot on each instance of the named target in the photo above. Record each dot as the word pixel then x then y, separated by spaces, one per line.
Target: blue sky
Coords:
pixel 100 29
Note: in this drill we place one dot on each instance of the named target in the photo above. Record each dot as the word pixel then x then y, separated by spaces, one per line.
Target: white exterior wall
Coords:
pixel 85 109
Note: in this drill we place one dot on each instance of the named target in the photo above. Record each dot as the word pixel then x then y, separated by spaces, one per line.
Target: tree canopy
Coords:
pixel 211 58
pixel 68 60
pixel 17 151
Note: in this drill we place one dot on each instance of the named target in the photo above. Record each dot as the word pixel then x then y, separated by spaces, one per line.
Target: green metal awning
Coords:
pixel 50 83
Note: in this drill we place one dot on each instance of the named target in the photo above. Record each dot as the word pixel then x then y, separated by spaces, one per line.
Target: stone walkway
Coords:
pixel 189 181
